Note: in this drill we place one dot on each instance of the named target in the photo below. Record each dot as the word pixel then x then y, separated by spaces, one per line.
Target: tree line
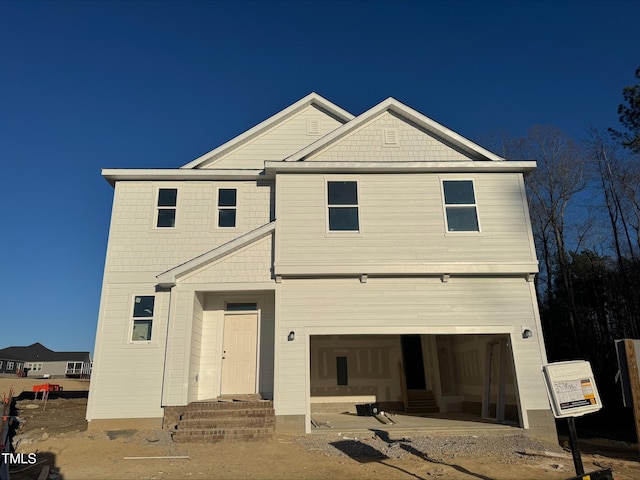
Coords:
pixel 584 202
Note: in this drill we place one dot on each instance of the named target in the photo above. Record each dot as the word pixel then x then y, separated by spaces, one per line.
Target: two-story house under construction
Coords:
pixel 322 258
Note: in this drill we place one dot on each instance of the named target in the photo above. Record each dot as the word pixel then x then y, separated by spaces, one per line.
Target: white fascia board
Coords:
pixel 311 99
pixel 471 166
pixel 391 104
pixel 169 278
pixel 113 175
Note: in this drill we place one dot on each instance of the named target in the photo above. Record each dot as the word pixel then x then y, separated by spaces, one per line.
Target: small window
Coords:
pixel 342 371
pixel 0 364
pixel 240 307
pixel 342 201
pixel 142 318
pixel 9 365
pixel 460 206
pixel 227 206
pixel 167 202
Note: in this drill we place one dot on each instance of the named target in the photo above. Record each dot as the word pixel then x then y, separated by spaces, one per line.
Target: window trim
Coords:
pixel 225 207
pixel 133 319
pixel 74 370
pixel 157 207
pixel 338 233
pixel 35 366
pixel 446 206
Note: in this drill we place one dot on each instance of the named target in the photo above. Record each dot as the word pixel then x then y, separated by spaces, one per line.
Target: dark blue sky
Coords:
pixel 91 85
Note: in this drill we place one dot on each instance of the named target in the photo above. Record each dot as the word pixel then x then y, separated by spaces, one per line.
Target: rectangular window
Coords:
pixel 74 367
pixel 460 206
pixel 142 318
pixel 342 371
pixel 227 206
pixel 342 202
pixel 239 307
pixel 9 365
pixel 0 364
pixel 167 203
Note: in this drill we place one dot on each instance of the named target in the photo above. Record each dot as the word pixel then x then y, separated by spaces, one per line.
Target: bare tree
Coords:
pixel 553 188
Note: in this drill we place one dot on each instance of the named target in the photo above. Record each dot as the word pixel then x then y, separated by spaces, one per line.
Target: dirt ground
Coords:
pixel 55 431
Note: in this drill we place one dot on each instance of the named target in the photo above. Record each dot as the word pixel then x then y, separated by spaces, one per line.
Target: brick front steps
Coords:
pixel 218 421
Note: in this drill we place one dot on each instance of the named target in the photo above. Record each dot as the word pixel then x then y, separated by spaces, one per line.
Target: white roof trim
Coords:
pixel 311 99
pixel 467 166
pixel 113 175
pixel 169 278
pixel 391 104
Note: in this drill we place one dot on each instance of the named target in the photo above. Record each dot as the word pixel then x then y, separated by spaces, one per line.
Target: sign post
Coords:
pixel 572 391
pixel 628 361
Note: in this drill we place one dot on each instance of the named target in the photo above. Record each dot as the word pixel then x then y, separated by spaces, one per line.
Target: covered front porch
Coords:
pixel 228 349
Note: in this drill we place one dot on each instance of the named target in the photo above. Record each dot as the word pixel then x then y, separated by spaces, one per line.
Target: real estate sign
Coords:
pixel 571 388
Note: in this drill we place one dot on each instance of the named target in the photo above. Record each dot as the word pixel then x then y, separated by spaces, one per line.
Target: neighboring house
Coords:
pixel 38 361
pixel 10 365
pixel 321 258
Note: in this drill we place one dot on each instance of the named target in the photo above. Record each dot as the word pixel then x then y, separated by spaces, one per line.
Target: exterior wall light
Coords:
pixel 292 336
pixel 526 333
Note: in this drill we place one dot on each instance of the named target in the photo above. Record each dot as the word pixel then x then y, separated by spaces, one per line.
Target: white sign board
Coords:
pixel 571 388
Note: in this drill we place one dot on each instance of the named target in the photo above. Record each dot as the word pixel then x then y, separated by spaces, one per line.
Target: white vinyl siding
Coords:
pixel 127 379
pixel 135 248
pixel 402 221
pixel 410 306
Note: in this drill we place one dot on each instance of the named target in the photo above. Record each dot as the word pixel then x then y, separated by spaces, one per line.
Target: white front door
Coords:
pixel 239 357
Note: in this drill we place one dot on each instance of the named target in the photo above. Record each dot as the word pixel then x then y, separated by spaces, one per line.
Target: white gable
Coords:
pixel 249 264
pixel 278 137
pixel 279 142
pixel 389 137
pixel 392 131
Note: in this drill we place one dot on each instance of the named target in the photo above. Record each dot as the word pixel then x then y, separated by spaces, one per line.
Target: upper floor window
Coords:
pixel 167 202
pixel 460 206
pixel 227 206
pixel 342 202
pixel 142 318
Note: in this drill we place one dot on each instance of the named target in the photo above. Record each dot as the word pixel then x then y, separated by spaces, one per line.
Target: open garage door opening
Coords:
pixel 461 377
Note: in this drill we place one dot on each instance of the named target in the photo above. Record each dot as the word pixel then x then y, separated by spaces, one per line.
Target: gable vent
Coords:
pixel 313 126
pixel 390 136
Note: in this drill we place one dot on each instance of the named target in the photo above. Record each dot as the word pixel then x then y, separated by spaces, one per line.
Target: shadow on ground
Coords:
pixel 364 453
